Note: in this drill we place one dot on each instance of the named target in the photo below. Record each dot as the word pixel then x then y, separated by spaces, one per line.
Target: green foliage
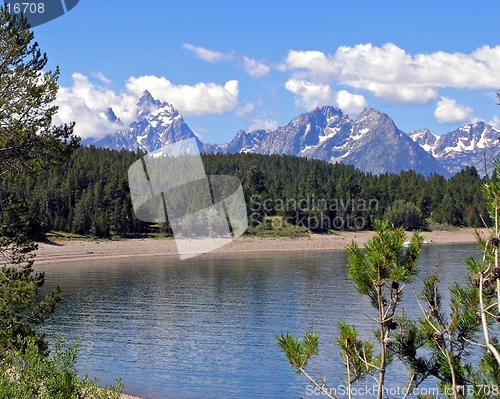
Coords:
pixel 490 188
pixel 437 344
pixel 19 312
pixel 448 339
pixel 357 354
pixel 408 340
pixel 29 374
pixel 298 351
pixel 29 141
pixel 379 272
pixel 89 195
pixel 406 215
pixel 462 203
pixel 29 145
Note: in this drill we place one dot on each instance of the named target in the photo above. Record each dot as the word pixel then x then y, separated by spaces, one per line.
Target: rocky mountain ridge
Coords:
pixel 372 142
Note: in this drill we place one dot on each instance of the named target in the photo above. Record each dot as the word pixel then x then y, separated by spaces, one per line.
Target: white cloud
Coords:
pixel 319 67
pixel 389 73
pixel 266 124
pixel 200 99
pixel 256 69
pixel 244 110
pixel 449 111
pixel 256 117
pixel 101 77
pixel 311 95
pixel 86 104
pixel 208 55
pixel 495 122
pixel 352 104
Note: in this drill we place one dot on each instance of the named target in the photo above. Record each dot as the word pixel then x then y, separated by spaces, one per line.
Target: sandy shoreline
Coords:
pixel 59 251
pixel 69 250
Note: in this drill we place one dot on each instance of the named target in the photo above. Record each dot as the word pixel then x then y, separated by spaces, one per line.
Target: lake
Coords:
pixel 205 327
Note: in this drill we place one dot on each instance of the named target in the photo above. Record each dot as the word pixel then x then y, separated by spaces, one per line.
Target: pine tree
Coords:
pixel 29 143
pixel 381 273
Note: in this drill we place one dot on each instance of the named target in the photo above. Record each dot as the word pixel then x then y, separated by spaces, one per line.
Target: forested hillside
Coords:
pixel 90 195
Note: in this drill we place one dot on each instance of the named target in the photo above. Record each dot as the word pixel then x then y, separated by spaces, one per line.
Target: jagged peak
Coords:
pixel 326 110
pixel 146 105
pixel 370 113
pixel 423 133
pixel 146 93
pixel 241 133
pixel 147 98
pixel 110 115
pixel 326 113
pixel 165 108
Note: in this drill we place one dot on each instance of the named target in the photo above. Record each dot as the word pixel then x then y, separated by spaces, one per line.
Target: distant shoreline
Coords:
pixel 64 250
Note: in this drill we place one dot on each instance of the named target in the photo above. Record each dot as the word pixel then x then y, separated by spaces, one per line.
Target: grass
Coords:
pixel 274 227
pixel 442 227
pixel 159 235
pixel 62 234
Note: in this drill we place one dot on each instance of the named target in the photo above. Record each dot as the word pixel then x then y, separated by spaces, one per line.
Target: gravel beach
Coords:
pixel 65 250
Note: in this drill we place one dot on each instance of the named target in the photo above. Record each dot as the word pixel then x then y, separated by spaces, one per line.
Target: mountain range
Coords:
pixel 372 142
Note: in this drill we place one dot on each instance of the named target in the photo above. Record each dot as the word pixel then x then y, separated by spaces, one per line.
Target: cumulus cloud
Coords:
pixel 316 65
pixel 390 73
pixel 311 95
pixel 208 55
pixel 266 124
pixel 495 122
pixel 449 111
pixel 256 69
pixel 245 110
pixel 86 104
pixel 352 104
pixel 200 99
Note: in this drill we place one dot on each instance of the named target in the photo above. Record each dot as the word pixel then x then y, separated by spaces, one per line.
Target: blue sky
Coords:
pixel 231 65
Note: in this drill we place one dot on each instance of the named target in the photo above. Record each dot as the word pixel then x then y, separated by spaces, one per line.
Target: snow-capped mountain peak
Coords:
pixel 466 145
pixel 146 104
pixel 426 139
pixel 157 125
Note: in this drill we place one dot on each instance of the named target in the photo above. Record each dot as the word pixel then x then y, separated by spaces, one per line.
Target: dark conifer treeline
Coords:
pixel 90 194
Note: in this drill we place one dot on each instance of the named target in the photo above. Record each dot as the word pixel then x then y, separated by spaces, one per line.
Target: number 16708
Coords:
pixel 25 8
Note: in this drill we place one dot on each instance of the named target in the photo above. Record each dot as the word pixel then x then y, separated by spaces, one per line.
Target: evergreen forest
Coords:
pixel 89 195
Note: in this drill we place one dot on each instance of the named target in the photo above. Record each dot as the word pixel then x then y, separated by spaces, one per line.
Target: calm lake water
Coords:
pixel 205 327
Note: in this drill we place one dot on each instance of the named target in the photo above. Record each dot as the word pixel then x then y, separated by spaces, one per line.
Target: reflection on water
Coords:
pixel 204 327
